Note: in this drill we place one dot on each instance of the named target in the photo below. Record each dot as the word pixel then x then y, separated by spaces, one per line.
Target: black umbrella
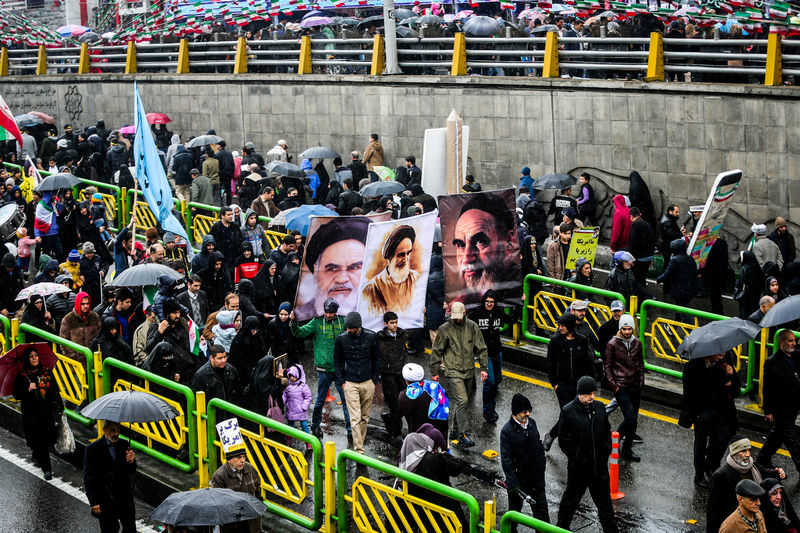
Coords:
pixel 544 28
pixel 318 152
pixel 129 406
pixel 783 312
pixel 54 182
pixel 144 274
pixel 346 21
pixel 405 31
pixel 402 14
pixel 482 26
pixel 89 37
pixel 557 182
pixel 203 140
pixel 381 188
pixel 283 168
pixel 371 21
pixel 717 337
pixel 208 507
pixel 429 19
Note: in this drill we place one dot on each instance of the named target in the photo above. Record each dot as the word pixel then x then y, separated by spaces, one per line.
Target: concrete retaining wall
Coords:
pixel 678 136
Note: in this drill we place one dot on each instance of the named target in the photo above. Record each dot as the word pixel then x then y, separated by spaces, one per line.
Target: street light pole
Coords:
pixel 392 67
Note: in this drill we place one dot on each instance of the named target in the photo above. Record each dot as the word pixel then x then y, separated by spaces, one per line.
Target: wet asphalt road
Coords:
pixel 660 495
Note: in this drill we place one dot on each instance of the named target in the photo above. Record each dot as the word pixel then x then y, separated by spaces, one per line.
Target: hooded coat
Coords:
pixel 182 166
pixel 225 330
pixel 681 272
pixel 246 267
pixel 582 280
pixel 297 394
pixel 112 344
pixel 621 224
pixel 47 274
pixel 246 349
pixel 255 234
pixel 200 260
pixel 264 385
pixel 78 328
pixel 749 284
pixel 266 287
pixel 216 283
pixel 490 323
pixel 166 290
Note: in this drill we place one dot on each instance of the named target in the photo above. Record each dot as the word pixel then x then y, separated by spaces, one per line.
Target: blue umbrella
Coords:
pixel 299 218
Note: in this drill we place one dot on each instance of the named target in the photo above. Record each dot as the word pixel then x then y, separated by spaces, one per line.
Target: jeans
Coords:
pixel 458 389
pixel 303 424
pixel 324 381
pixel 628 399
pixel 492 385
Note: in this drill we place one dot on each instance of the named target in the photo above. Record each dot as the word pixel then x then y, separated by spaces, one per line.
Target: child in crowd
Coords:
pixel 72 266
pixel 24 248
pixel 297 398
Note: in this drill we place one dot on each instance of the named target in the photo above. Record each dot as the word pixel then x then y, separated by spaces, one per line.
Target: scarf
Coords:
pixel 439 408
pixel 751 470
pixel 414 448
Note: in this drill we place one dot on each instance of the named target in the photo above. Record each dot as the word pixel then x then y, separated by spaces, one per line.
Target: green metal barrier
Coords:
pixel 116 193
pixel 514 517
pixel 8 342
pixel 526 309
pixel 76 383
pixel 146 215
pixel 160 431
pixel 405 476
pixel 274 460
pixel 202 221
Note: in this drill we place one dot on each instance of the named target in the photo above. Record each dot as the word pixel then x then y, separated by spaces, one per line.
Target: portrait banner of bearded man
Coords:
pixel 480 247
pixel 395 273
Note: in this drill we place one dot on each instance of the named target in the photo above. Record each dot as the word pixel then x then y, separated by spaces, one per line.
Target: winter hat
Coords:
pixel 88 248
pixel 749 489
pixel 616 305
pixel 330 306
pixel 96 198
pixel 526 171
pixel 413 372
pixel 587 385
pixel 570 213
pixel 74 256
pixel 739 443
pixel 61 278
pixel 568 321
pixel 759 229
pixel 62 143
pixel 10 182
pixel 170 306
pixel 413 211
pixel 352 320
pixel 169 237
pixel 780 222
pixel 626 321
pixel 22 232
pixel 520 403
pixel 235 154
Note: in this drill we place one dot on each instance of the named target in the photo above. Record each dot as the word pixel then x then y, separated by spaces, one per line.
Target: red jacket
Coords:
pixel 246 270
pixel 621 225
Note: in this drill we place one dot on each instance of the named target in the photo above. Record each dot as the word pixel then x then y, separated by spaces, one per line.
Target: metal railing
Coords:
pixel 111 201
pixel 649 59
pixel 514 517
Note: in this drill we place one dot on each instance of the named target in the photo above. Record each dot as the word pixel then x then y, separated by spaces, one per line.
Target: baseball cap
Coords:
pixel 457 310
pixel 616 305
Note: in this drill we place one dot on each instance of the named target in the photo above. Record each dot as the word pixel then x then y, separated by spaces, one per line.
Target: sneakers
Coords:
pixel 465 441
pixel 547 442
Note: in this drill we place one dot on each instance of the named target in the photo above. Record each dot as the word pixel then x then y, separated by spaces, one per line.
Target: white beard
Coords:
pixel 400 275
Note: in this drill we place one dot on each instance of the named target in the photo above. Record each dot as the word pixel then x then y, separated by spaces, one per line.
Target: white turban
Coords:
pixel 413 372
pixel 759 229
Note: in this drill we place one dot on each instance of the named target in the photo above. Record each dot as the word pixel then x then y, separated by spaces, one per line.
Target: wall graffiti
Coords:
pixel 22 98
pixel 72 103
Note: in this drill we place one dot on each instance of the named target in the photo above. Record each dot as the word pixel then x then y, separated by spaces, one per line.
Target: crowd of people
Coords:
pixel 239 291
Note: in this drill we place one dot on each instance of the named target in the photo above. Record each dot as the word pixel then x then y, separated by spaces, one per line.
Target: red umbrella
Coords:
pixel 157 118
pixel 47 119
pixel 11 363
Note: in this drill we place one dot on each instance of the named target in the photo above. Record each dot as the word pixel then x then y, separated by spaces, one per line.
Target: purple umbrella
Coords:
pixel 317 20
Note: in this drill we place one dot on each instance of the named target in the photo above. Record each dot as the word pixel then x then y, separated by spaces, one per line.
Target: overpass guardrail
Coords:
pixel 765 61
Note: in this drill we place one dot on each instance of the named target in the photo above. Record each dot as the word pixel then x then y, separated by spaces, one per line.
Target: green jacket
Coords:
pixel 457 347
pixel 324 333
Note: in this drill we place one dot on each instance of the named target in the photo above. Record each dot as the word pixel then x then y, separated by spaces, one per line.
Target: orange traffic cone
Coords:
pixel 613 467
pixel 329 398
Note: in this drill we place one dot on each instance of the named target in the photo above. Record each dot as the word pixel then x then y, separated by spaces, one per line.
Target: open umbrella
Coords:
pixel 54 182
pixel 42 289
pixel 313 13
pixel 717 337
pixel 72 30
pixel 44 117
pixel 405 31
pixel 157 118
pixel 545 28
pixel 346 21
pixel 403 13
pixel 465 14
pixel 430 19
pixel 783 312
pixel 280 218
pixel 554 182
pixel 11 363
pixel 482 26
pixel 384 173
pixel 317 20
pixel 282 168
pixel 27 119
pixel 371 21
pixel 318 152
pixel 89 37
pixel 144 274
pixel 127 130
pixel 208 507
pixel 129 406
pixel 300 218
pixel 381 188
pixel 203 140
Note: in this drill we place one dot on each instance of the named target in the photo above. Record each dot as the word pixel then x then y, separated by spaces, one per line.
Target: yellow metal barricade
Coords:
pixel 71 378
pixel 379 508
pixel 144 217
pixel 171 433
pixel 110 202
pixel 201 225
pixel 667 334
pixel 274 238
pixel 548 307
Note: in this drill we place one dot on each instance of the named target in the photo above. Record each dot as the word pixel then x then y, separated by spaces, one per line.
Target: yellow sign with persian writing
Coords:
pixel 583 244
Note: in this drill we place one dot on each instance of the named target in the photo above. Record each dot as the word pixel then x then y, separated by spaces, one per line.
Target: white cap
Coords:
pixel 282 142
pixel 626 321
pixel 413 372
pixel 457 310
pixel 62 143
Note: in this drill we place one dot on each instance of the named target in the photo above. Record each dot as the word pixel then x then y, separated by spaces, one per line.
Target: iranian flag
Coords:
pixel 506 4
pixel 196 340
pixel 7 121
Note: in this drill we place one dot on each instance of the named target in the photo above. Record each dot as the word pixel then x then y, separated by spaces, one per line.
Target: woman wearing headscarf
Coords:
pixel 266 284
pixel 772 287
pixel 748 285
pixel 584 275
pixel 290 275
pixel 36 316
pixel 281 340
pixel 228 324
pixel 170 363
pixel 639 196
pixel 621 224
pixel 779 515
pixel 247 347
pixel 110 342
pixel 264 384
pixel 247 264
pixel 41 408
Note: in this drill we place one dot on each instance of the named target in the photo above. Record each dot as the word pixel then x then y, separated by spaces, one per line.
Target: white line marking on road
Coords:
pixel 59 483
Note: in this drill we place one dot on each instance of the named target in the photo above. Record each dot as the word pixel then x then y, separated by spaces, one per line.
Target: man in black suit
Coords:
pixel 107 467
pixel 782 400
pixel 195 300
